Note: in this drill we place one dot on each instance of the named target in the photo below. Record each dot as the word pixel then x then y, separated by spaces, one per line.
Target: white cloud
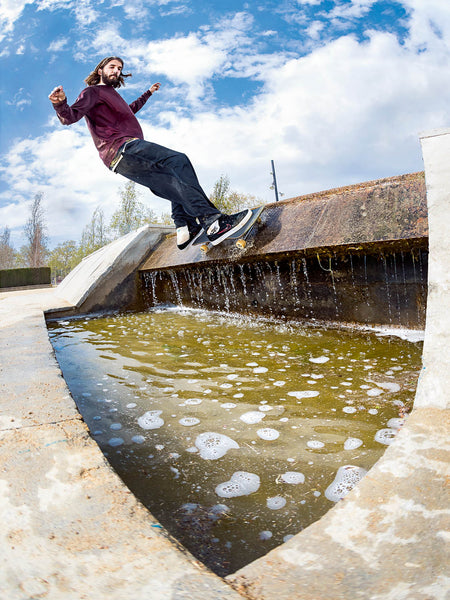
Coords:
pixel 10 11
pixel 58 45
pixel 20 99
pixel 191 61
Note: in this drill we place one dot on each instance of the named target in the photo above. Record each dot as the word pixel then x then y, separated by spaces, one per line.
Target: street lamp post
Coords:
pixel 274 184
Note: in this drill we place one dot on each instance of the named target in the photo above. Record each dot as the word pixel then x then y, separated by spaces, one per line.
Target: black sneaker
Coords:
pixel 187 236
pixel 226 225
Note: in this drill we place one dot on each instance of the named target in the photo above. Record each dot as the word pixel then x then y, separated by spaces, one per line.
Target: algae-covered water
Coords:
pixel 235 432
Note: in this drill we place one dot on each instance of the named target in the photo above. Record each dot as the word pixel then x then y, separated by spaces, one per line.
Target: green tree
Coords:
pixel 229 201
pixel 94 235
pixel 35 234
pixel 63 258
pixel 6 250
pixel 131 214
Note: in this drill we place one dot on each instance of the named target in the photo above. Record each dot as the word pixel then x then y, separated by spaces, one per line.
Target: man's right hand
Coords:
pixel 57 95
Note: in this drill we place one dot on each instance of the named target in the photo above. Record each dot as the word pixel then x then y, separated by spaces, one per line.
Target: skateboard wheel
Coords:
pixel 241 243
pixel 204 248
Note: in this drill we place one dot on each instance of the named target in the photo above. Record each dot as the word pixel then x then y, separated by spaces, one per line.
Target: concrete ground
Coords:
pixel 72 530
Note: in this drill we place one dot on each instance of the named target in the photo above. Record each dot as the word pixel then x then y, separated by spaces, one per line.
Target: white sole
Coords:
pixel 236 228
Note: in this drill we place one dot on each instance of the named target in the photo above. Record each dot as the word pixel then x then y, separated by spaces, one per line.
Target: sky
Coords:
pixel 335 92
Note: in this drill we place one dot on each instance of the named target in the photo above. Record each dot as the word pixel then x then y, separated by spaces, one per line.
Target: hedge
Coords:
pixel 22 277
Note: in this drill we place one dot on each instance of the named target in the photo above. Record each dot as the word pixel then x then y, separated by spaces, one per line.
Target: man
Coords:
pixel 120 142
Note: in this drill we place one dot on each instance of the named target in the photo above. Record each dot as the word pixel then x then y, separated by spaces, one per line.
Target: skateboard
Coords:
pixel 239 236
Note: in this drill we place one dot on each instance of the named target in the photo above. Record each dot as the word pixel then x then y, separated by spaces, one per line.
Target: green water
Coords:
pixel 211 369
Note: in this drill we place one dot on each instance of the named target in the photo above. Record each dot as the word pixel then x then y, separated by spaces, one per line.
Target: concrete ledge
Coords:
pixel 70 527
pixel 391 211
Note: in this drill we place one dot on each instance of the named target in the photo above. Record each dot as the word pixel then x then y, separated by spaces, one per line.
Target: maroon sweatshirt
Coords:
pixel 109 118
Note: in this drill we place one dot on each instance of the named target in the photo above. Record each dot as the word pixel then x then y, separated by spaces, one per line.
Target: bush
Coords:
pixel 22 277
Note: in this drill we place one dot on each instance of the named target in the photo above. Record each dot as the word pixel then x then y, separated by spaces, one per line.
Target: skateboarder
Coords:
pixel 120 142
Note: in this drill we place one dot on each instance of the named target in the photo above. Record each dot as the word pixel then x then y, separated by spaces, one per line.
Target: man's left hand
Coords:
pixel 155 87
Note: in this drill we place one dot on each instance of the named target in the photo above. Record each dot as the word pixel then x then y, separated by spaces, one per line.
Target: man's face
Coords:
pixel 110 73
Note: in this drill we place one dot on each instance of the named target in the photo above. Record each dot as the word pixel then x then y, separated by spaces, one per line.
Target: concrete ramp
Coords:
pixel 106 279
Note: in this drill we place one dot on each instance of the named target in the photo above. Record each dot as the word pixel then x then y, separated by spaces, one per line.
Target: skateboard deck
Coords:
pixel 239 236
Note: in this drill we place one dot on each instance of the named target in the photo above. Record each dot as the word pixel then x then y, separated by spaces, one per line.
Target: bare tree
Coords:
pixel 35 233
pixel 6 250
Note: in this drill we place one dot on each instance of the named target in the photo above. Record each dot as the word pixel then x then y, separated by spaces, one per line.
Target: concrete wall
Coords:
pixel 356 254
pixel 382 212
pixel 107 279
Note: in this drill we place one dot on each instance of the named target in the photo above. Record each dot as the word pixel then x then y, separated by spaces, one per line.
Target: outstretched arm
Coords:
pixel 139 103
pixel 81 107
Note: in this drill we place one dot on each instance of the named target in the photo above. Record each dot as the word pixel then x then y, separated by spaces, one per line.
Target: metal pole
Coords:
pixel 274 181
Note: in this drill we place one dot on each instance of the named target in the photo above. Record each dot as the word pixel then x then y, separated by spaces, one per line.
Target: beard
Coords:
pixel 111 80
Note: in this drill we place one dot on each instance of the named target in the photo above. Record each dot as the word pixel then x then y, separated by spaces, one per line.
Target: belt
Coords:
pixel 118 157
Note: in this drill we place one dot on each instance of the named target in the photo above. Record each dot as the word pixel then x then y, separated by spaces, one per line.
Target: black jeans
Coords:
pixel 170 175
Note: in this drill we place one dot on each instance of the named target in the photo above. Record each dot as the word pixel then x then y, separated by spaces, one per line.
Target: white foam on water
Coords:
pixel 189 421
pixel 232 376
pixel 264 408
pixel 132 405
pixel 374 392
pixel 115 426
pixel 192 449
pixel 352 443
pixel 265 535
pixel 228 405
pixel 276 502
pixel 193 401
pixel 252 364
pixel 241 483
pixel 385 436
pixel 226 386
pixel 306 394
pixel 240 395
pixel 390 386
pixel 292 477
pixel 115 441
pixel 372 411
pixel 319 360
pixel 279 383
pixel 287 537
pixel 315 444
pixel 396 423
pixel 151 420
pixel 345 480
pixel 138 439
pixel 317 376
pixel 349 409
pixel 251 417
pixel 214 445
pixel 268 434
pixel 260 370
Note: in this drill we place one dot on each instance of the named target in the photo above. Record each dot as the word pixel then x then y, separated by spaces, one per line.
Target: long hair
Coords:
pixel 94 78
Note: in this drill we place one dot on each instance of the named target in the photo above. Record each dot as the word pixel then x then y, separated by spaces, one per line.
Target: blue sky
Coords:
pixel 335 92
